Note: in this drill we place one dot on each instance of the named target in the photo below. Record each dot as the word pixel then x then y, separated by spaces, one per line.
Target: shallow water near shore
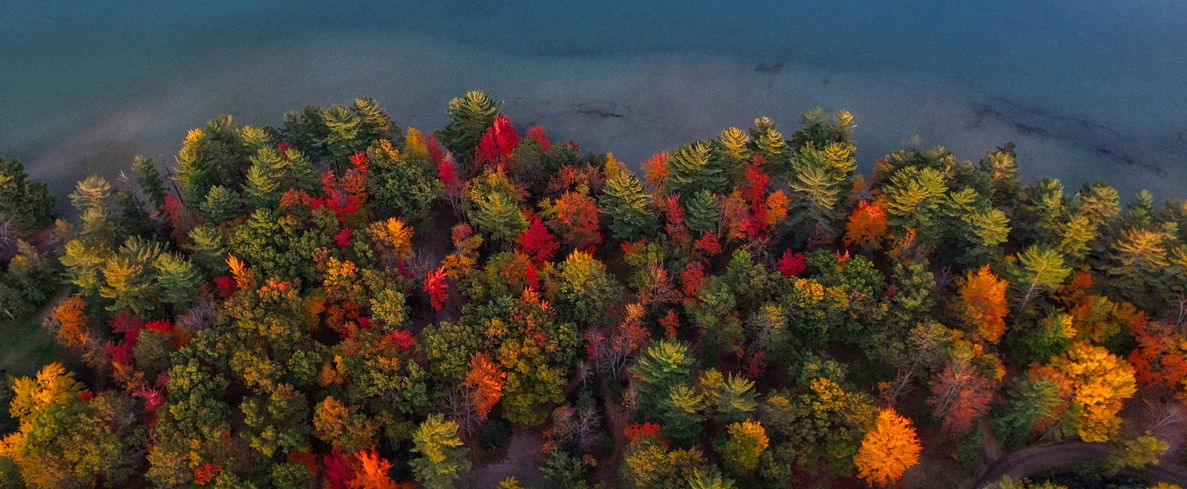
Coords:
pixel 1087 90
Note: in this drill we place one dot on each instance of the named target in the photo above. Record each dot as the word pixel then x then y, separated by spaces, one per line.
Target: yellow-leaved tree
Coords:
pixel 887 450
pixel 1100 383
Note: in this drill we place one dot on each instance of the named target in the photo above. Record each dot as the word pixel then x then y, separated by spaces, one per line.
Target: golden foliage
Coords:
pixel 888 450
pixel 1100 383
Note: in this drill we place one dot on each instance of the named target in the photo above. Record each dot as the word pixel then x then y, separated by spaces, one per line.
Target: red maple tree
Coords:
pixel 537 242
pixel 497 143
pixel 792 264
pixel 436 287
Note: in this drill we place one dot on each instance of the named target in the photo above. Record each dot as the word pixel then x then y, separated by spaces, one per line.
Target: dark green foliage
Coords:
pixel 28 204
pixel 149 180
pixel 697 167
pixel 628 208
pixel 469 116
pixel 221 204
pixel 703 213
pixel 405 187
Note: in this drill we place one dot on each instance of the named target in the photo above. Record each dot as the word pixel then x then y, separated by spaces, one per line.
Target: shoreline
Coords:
pixel 635 104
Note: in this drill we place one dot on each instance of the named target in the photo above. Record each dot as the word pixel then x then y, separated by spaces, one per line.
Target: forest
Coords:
pixel 337 302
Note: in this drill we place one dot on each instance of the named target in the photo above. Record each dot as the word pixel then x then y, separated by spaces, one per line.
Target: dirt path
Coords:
pixel 1036 460
pixel 616 420
pixel 523 460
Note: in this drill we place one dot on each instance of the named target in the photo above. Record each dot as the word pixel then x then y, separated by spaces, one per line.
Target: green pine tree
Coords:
pixel 665 364
pixel 681 413
pixel 441 457
pixel 469 116
pixel 221 204
pixel 344 132
pixel 703 213
pixel 628 207
pixel 1037 269
pixel 695 168
pixel 149 180
pixel 177 280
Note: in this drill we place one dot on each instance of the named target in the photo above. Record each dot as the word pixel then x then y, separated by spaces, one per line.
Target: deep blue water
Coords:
pixel 1092 89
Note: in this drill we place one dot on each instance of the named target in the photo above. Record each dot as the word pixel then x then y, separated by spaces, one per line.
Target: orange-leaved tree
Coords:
pixel 486 379
pixel 373 472
pixel 887 450
pixel 866 224
pixel 982 303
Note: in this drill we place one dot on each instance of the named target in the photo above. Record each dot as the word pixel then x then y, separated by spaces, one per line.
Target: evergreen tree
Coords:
pixel 681 412
pixel 664 365
pixel 177 280
pixel 819 180
pixel 441 458
pixel 497 216
pixel 913 195
pixel 695 168
pixel 149 180
pixel 1038 269
pixel 1002 169
pixel 733 398
pixel 222 204
pixel 344 132
pixel 703 213
pixel 469 116
pixel 627 206
pixel 769 143
pixel 27 203
pixel 375 124
pixel 208 247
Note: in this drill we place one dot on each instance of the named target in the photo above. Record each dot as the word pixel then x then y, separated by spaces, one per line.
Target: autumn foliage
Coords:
pixel 866 224
pixel 436 288
pixel 537 242
pixel 887 450
pixel 485 378
pixel 983 303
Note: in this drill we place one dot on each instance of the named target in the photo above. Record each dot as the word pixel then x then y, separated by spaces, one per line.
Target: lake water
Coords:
pixel 1092 89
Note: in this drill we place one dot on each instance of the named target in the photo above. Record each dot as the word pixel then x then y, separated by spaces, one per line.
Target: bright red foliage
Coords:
pixel 436 287
pixel 224 286
pixel 436 155
pixel 121 353
pixel 360 162
pixel 401 340
pixel 206 473
pixel 540 135
pixel 160 327
pixel 342 239
pixel 447 173
pixel 537 242
pixel 758 180
pixel 792 264
pixel 709 244
pixel 633 432
pixel 691 278
pixel 497 144
pixel 338 471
